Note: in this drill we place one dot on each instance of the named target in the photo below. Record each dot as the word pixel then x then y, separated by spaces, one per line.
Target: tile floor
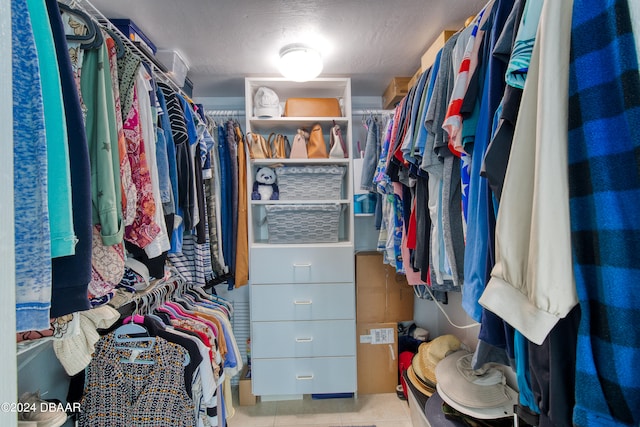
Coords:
pixel 381 410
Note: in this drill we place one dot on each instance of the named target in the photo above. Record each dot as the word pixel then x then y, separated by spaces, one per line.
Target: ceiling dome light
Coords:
pixel 299 62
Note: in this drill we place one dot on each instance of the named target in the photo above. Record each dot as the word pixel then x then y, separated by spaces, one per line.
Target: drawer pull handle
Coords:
pixel 302 265
pixel 304 377
pixel 304 339
pixel 307 302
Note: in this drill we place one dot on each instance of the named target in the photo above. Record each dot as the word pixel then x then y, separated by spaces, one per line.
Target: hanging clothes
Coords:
pixel 232 147
pixel 242 236
pixel 146 393
pixel 529 223
pixel 604 182
pixel 213 200
pixel 160 243
pixel 184 204
pixel 63 239
pixel 97 92
pixel 71 274
pixel 129 190
pixel 33 248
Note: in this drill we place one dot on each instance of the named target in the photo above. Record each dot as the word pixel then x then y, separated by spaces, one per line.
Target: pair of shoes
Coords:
pixel 40 411
pixel 400 392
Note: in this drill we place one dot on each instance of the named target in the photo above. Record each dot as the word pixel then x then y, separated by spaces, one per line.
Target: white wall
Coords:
pixel 427 315
pixel 9 389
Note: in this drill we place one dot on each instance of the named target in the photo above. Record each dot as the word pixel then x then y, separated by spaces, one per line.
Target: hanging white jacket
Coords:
pixel 532 284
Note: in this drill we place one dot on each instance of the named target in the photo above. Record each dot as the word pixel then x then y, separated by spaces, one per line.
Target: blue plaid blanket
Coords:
pixel 604 176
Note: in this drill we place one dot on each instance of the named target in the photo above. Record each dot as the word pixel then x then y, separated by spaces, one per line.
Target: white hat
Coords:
pixel 75 352
pixel 479 389
pixel 266 103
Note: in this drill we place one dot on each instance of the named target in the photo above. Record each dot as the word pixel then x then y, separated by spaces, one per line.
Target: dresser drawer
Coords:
pixel 303 339
pixel 302 264
pixel 304 375
pixel 331 301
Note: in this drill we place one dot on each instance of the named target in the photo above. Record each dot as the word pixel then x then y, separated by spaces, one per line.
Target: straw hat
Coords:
pixel 420 385
pixel 430 354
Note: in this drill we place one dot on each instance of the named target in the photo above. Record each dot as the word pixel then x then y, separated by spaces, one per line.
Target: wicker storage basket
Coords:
pixel 314 223
pixel 322 182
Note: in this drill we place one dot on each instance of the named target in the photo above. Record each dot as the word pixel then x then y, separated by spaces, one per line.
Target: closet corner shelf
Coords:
pixel 292 122
pixel 28 346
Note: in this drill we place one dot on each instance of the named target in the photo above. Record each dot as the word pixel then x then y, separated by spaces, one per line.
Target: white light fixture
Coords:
pixel 299 62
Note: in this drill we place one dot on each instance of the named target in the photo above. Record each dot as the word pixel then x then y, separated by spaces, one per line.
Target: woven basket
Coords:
pixel 316 223
pixel 323 182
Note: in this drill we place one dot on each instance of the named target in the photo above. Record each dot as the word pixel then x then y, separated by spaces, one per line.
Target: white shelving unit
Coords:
pixel 302 295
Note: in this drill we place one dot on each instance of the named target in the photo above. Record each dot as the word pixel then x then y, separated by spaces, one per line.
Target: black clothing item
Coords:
pixel 201 229
pixel 71 274
pixel 494 165
pixel 552 368
pixel 496 158
pixel 154 265
pixel 423 227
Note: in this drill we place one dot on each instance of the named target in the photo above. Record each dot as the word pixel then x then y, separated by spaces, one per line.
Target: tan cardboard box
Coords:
pixel 246 396
pixel 429 56
pixel 377 357
pixel 381 294
pixel 397 89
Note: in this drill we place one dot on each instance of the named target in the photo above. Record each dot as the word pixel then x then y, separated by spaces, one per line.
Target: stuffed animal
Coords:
pixel 264 186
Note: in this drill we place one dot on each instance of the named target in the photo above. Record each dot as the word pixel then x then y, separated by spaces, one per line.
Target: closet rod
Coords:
pixel 371 111
pixel 158 289
pixel 225 112
pixel 98 17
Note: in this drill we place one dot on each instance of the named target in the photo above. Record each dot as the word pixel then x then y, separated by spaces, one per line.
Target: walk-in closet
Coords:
pixel 261 213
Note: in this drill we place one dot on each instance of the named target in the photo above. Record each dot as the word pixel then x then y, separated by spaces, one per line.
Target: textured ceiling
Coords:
pixel 224 41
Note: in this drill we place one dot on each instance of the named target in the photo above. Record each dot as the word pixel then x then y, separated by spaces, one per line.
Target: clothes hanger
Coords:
pixel 216 299
pixel 79 27
pixel 93 38
pixel 134 337
pixel 120 48
pixel 168 311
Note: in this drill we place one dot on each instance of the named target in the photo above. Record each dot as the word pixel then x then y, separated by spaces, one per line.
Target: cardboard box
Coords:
pixel 377 357
pixel 312 107
pixel 381 294
pixel 246 397
pixel 397 89
pixel 429 56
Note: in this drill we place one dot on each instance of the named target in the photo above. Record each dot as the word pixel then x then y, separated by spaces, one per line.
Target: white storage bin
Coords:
pixel 177 67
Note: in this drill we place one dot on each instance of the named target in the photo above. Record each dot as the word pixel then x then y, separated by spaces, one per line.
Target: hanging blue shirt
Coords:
pixel 31 219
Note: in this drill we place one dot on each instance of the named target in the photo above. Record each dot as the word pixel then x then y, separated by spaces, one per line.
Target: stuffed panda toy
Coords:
pixel 264 186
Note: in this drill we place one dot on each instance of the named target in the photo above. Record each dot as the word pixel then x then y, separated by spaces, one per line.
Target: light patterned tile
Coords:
pixel 374 408
pixel 308 412
pixel 262 414
pixel 381 410
pixel 394 423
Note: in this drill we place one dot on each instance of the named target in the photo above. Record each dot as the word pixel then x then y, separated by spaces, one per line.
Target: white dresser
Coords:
pixel 302 296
